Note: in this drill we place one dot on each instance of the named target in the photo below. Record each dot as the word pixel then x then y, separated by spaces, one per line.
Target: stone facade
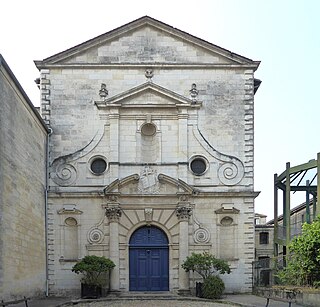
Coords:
pixel 22 192
pixel 151 127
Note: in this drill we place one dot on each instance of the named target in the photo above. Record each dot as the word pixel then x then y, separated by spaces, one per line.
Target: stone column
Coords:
pixel 183 213
pixel 113 212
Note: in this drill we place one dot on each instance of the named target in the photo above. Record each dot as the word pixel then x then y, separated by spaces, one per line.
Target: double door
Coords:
pixel 149 260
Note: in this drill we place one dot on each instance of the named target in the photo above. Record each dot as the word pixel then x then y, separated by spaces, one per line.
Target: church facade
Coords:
pixel 151 157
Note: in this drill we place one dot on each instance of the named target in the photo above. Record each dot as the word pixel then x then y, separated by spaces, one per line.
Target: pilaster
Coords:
pixel 183 212
pixel 113 213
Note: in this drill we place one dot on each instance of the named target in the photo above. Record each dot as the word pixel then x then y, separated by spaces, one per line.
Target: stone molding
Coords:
pixel 232 210
pixel 231 169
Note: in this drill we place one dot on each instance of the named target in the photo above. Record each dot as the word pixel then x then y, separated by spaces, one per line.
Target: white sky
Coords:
pixel 282 34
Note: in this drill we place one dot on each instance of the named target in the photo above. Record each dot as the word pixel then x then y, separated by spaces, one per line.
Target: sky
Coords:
pixel 283 34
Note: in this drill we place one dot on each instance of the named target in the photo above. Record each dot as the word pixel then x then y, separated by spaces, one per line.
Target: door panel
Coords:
pixel 149 260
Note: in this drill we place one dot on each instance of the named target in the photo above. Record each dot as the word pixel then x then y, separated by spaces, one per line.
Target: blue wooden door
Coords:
pixel 148 260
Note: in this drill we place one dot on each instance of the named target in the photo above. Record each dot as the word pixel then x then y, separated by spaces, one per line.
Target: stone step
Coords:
pixel 140 295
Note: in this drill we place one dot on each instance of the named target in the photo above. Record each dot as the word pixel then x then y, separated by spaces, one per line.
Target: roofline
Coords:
pixel 4 64
pixel 263 226
pixel 292 211
pixel 69 51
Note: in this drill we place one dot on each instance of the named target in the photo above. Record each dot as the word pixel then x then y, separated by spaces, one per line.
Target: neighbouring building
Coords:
pixel 265 257
pixel 264 251
pixel 23 139
pixel 151 157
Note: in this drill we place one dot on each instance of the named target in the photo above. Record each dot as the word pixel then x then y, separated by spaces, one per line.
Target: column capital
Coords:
pixel 113 213
pixel 183 212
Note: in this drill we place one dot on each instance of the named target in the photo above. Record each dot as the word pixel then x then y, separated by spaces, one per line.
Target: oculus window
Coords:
pixel 98 166
pixel 198 165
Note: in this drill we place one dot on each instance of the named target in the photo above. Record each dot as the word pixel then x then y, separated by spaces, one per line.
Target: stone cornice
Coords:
pixel 101 195
pixel 41 65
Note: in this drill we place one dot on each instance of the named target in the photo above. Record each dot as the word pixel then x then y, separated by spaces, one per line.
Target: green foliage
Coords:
pixel 205 264
pixel 213 287
pixel 303 265
pixel 94 269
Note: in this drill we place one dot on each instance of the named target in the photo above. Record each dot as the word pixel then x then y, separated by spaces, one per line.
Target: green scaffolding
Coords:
pixel 291 180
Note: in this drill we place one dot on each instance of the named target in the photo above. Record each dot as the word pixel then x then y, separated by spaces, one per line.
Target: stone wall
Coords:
pixel 22 192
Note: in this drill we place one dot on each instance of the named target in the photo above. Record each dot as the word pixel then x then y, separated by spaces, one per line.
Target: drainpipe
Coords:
pixel 46 210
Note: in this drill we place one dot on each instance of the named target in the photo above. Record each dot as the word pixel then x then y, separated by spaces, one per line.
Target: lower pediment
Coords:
pixel 148 183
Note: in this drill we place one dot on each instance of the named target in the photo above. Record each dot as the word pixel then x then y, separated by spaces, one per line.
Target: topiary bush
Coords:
pixel 212 287
pixel 207 266
pixel 93 269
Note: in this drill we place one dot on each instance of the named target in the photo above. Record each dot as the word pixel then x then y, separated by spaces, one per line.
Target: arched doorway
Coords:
pixel 148 260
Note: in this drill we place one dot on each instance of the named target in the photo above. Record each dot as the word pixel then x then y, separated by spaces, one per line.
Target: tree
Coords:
pixel 303 265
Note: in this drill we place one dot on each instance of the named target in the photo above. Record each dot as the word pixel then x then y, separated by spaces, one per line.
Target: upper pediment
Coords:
pixel 145 41
pixel 148 94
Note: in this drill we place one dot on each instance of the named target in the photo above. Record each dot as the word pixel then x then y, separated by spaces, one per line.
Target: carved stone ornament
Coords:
pixel 184 198
pixel 95 236
pixel 113 214
pixel 148 181
pixel 149 74
pixel 113 198
pixel 194 92
pixel 103 92
pixel 201 235
pixel 64 174
pixel 183 212
pixel 148 215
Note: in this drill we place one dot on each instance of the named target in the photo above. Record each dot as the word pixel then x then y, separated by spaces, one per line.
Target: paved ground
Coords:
pixel 246 300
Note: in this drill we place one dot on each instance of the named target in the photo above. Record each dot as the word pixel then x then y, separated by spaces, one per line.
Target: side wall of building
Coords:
pixel 22 192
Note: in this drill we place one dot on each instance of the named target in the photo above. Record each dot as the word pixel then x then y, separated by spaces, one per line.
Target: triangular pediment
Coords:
pixel 147 95
pixel 145 41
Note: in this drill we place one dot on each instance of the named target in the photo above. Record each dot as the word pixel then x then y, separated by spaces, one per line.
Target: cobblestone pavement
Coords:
pixel 154 303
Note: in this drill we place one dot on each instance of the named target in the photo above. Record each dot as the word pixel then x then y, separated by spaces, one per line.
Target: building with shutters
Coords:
pixel 151 157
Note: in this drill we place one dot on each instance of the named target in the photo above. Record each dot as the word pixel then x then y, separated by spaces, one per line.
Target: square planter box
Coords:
pixel 90 291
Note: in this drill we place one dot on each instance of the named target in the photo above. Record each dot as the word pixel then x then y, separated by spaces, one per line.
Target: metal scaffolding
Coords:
pixel 291 180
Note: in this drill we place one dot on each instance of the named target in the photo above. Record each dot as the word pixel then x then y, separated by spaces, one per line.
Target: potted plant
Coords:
pixel 208 267
pixel 94 270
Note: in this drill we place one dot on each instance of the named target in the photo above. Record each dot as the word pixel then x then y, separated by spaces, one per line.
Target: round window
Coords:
pixel 198 166
pixel 98 166
pixel 148 129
